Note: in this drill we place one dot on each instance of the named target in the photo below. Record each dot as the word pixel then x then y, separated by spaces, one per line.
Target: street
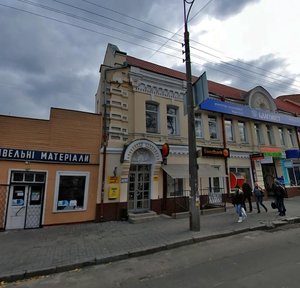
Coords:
pixel 254 259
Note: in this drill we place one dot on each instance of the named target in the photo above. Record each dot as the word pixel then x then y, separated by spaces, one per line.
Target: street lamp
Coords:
pixel 193 167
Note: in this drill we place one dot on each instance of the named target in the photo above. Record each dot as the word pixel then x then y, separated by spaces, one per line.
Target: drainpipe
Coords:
pixel 105 136
pixel 225 159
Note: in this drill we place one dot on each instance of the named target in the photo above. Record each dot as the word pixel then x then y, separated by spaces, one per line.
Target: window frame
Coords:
pixel 228 123
pixel 152 112
pixel 270 133
pixel 242 129
pixel 198 128
pixel 173 116
pixel 86 174
pixel 213 120
pixel 175 187
pixel 258 133
pixel 281 136
pixel 291 136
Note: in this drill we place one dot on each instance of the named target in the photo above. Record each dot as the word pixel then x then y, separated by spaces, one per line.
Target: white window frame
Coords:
pixel 242 132
pixel 281 136
pixel 86 189
pixel 270 133
pixel 175 119
pixel 152 112
pixel 229 130
pixel 198 125
pixel 213 120
pixel 291 136
pixel 258 133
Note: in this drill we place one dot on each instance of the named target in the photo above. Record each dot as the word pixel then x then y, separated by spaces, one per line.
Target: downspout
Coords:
pixel 105 136
pixel 225 159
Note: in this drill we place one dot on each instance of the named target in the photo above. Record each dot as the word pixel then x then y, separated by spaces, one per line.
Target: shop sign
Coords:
pixel 113 179
pixel 292 154
pixel 245 111
pixel 257 156
pixel 43 156
pixel 215 152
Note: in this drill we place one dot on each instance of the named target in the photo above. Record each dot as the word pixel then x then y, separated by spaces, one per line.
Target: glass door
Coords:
pixel 139 188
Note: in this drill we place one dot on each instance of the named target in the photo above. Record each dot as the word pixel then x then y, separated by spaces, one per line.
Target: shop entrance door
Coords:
pixel 25 206
pixel 139 188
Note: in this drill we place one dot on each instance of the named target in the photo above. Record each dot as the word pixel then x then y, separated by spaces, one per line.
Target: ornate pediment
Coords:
pixel 260 98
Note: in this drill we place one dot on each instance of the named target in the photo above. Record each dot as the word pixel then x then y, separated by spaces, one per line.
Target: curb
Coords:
pixel 22 275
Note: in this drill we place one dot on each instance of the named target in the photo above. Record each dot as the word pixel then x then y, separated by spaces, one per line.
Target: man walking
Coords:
pixel 247 195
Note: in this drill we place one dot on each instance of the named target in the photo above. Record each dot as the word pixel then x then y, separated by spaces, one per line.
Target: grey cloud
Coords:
pixel 222 9
pixel 267 71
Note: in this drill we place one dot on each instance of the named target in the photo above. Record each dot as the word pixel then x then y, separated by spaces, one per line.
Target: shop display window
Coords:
pixel 71 191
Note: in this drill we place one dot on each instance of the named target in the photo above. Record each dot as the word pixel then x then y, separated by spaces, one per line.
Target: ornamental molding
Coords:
pixel 142 144
pixel 157 84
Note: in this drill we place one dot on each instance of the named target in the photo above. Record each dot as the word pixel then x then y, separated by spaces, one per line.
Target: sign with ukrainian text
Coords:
pixel 43 156
pixel 245 111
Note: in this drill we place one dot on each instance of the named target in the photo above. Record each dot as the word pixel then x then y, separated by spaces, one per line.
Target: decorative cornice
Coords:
pixel 156 84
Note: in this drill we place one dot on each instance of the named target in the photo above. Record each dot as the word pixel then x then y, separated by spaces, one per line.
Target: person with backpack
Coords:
pixel 279 192
pixel 259 194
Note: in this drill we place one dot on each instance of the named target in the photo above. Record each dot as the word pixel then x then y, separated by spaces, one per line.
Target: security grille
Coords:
pixel 3 204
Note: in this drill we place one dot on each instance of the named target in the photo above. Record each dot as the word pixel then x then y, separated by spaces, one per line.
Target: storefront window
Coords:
pixel 294 174
pixel 174 186
pixel 244 172
pixel 71 191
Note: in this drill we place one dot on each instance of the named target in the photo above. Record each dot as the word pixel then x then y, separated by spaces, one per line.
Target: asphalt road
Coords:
pixel 269 259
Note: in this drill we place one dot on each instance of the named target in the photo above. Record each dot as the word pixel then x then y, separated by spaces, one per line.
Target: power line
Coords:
pixel 109 35
pixel 143 38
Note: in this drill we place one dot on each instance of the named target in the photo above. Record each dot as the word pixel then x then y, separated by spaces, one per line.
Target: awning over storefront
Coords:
pixel 181 171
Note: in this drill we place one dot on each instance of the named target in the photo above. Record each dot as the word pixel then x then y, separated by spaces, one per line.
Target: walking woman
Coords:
pixel 258 193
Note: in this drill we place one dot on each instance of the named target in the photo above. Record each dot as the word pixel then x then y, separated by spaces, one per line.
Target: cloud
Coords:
pixel 268 71
pixel 226 8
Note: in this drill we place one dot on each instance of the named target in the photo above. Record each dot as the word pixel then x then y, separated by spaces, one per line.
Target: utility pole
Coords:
pixel 193 167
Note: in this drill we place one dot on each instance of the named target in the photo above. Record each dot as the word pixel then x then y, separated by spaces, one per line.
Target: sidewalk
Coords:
pixel 28 253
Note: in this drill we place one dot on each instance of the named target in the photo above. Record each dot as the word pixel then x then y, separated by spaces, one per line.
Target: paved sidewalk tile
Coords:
pixel 26 253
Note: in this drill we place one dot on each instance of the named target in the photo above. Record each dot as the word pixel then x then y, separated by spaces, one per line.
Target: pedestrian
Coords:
pixel 247 190
pixel 259 194
pixel 279 192
pixel 237 201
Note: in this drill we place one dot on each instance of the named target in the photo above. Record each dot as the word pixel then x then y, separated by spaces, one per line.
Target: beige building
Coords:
pixel 240 135
pixel 49 169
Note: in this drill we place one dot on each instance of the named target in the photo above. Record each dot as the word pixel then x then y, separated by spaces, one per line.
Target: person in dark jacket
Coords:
pixel 279 192
pixel 247 190
pixel 258 193
pixel 237 201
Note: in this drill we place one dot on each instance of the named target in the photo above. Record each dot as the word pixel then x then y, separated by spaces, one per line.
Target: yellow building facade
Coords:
pixel 239 135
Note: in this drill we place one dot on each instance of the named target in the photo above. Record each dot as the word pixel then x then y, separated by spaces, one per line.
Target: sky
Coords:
pixel 51 50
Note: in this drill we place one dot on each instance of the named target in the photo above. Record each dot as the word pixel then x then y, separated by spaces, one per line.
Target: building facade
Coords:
pixel 240 136
pixel 49 169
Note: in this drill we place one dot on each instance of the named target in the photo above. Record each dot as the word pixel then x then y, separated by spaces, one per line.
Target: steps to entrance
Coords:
pixel 142 217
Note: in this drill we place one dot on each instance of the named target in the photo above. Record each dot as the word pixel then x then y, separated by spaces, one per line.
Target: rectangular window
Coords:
pixel 229 130
pixel 212 126
pixel 242 132
pixel 294 175
pixel 198 126
pixel 270 135
pixel 172 120
pixel 151 118
pixel 291 137
pixel 174 186
pixel 71 191
pixel 258 133
pixel 281 136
